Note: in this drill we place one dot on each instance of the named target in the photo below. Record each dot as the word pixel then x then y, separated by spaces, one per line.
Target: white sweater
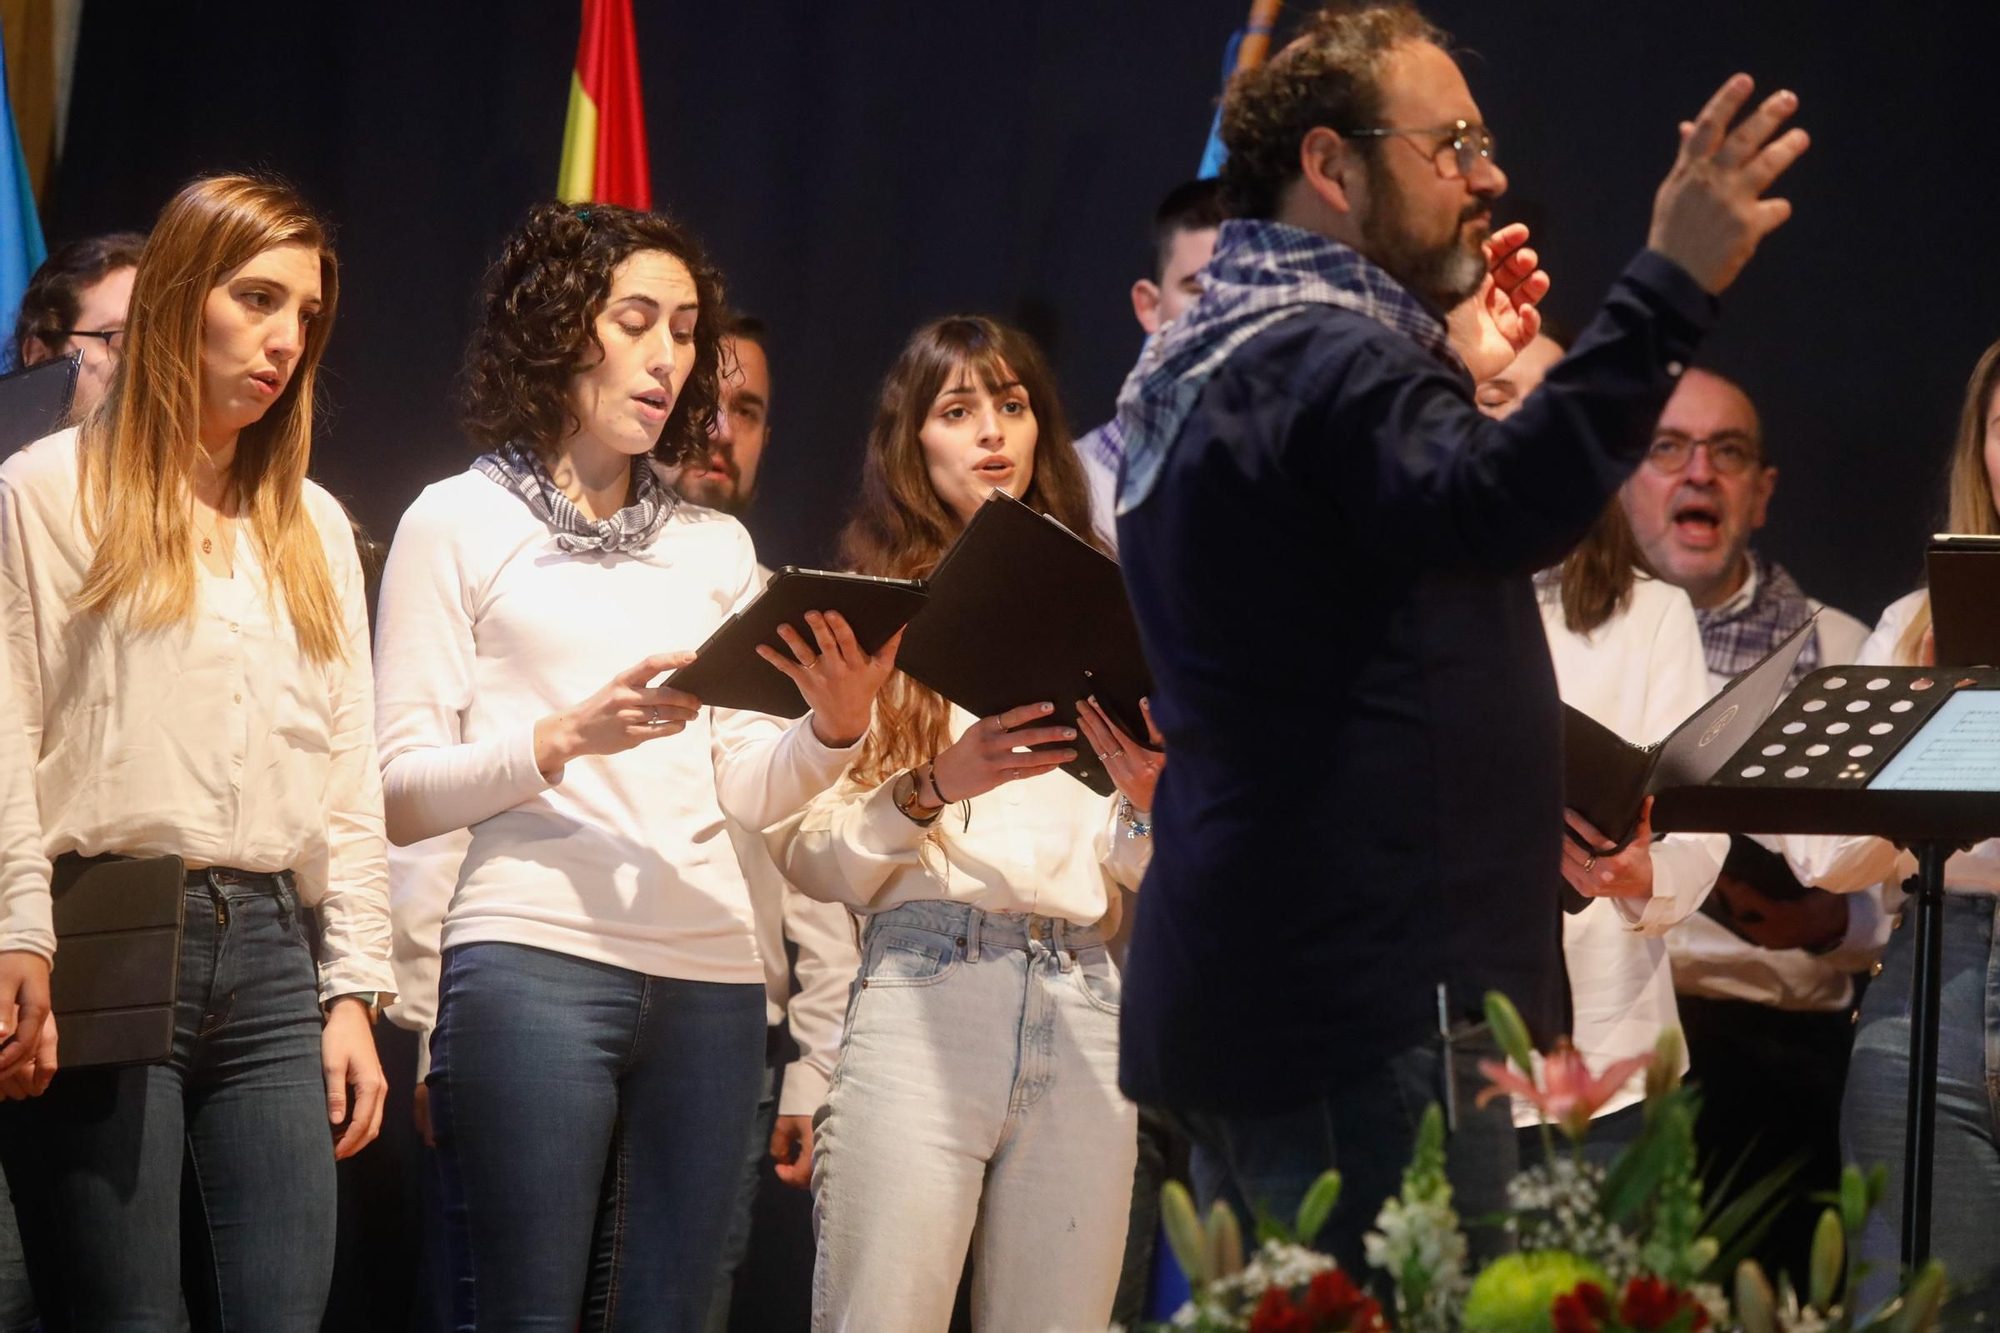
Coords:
pixel 485 626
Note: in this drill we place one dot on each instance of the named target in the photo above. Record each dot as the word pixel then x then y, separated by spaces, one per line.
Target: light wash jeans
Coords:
pixel 975 1105
pixel 1965 1181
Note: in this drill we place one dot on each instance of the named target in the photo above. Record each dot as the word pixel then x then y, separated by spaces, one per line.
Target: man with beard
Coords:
pixel 804 1037
pixel 1328 549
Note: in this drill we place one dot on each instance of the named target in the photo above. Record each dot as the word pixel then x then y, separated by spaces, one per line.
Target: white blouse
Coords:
pixel 1046 845
pixel 484 626
pixel 1641 674
pixel 218 741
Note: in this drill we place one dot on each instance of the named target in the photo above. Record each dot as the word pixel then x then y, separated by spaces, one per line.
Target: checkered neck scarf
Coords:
pixel 522 471
pixel 1263 272
pixel 1734 641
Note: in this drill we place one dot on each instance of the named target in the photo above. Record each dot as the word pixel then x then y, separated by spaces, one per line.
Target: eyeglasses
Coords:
pixel 1469 144
pixel 114 339
pixel 1730 452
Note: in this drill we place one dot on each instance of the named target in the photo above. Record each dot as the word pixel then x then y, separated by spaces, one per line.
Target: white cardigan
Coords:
pixel 1641 674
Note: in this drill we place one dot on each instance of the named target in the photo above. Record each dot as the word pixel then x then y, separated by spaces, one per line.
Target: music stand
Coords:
pixel 1911 754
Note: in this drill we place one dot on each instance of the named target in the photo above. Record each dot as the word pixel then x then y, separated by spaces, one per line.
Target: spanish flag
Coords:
pixel 604 140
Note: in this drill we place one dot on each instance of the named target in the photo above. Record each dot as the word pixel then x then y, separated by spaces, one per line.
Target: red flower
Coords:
pixel 1651 1304
pixel 1334 1297
pixel 1276 1314
pixel 1583 1309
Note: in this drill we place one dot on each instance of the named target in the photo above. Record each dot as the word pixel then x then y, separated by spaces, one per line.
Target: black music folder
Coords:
pixel 1606 778
pixel 35 402
pixel 1022 610
pixel 728 672
pixel 118 958
pixel 1964 576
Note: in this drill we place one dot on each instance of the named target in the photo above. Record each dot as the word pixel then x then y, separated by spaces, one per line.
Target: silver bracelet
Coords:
pixel 1128 815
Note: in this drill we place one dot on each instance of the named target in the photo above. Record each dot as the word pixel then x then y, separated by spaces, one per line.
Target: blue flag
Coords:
pixel 1213 153
pixel 21 247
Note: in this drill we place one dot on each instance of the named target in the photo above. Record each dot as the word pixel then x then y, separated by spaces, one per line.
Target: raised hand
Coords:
pixel 838 678
pixel 1710 214
pixel 989 753
pixel 1490 328
pixel 625 713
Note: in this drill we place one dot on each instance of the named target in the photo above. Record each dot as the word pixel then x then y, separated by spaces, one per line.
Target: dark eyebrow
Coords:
pixel 746 398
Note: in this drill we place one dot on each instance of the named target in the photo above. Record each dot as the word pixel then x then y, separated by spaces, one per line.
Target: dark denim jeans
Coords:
pixel 1965 1194
pixel 1365 1129
pixel 736 1247
pixel 591 1123
pixel 17 1302
pixel 212 1171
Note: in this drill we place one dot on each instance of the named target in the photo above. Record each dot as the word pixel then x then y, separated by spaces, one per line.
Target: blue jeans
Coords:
pixel 736 1247
pixel 1365 1129
pixel 591 1124
pixel 17 1301
pixel 211 1172
pixel 1965 1198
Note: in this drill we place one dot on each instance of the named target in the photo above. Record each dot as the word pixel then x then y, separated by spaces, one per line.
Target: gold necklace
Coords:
pixel 214 532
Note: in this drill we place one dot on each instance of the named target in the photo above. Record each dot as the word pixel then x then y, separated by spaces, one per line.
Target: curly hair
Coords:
pixel 1328 76
pixel 55 293
pixel 537 327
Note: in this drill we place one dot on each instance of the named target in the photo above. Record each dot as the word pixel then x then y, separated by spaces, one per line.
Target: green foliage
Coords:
pixel 1319 1202
pixel 1184 1233
pixel 1509 1031
pixel 1829 1253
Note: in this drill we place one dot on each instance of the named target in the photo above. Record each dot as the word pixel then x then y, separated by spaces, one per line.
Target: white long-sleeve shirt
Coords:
pixel 1713 962
pixel 218 741
pixel 1856 864
pixel 484 626
pixel 1641 674
pixel 1046 845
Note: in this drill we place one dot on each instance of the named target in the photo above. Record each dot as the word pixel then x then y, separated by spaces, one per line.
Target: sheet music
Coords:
pixel 1957 750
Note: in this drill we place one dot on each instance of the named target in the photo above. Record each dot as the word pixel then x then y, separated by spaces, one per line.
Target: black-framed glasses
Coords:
pixel 1469 144
pixel 1730 452
pixel 114 339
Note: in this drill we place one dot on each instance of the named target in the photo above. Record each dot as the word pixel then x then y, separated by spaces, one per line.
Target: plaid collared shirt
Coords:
pixel 1262 272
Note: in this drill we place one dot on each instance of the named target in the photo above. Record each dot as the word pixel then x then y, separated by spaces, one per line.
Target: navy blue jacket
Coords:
pixel 1363 794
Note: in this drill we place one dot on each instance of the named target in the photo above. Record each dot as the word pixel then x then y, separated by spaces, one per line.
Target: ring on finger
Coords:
pixel 1118 753
pixel 655 719
pixel 1589 860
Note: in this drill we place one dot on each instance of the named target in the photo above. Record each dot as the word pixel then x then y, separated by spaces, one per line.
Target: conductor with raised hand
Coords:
pixel 1357 832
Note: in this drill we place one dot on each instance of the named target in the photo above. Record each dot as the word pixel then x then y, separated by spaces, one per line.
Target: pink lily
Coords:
pixel 1568 1095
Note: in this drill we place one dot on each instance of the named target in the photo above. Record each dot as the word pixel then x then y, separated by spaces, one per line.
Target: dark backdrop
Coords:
pixel 860 166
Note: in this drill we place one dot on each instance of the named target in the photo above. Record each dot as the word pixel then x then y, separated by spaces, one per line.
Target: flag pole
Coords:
pixel 1247 47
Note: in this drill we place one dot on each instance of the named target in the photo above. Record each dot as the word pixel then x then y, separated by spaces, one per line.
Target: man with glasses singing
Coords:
pixel 1329 553
pixel 1764 973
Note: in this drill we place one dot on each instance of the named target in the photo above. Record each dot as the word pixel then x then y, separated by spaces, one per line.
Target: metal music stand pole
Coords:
pixel 1926 983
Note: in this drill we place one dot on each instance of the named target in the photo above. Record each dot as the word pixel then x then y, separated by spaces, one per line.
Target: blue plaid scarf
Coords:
pixel 1734 641
pixel 1263 272
pixel 522 471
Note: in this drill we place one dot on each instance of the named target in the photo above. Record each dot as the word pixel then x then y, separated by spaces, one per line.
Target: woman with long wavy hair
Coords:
pixel 1874 1110
pixel 599 1049
pixel 975 1104
pixel 188 640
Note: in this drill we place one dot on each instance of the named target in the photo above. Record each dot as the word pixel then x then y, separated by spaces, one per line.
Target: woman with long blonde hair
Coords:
pixel 1873 1112
pixel 975 1105
pixel 187 641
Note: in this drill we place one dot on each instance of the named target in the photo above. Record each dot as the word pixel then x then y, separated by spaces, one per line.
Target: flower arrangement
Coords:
pixel 1628 1249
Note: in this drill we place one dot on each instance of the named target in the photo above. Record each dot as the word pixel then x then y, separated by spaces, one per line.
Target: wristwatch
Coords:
pixel 908 796
pixel 371 998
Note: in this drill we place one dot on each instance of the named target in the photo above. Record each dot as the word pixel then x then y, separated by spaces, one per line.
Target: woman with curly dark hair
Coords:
pixel 599 1046
pixel 976 1105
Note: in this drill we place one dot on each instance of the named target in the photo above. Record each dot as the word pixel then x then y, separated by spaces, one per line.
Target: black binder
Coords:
pixel 118 958
pixel 1964 576
pixel 728 672
pixel 1022 610
pixel 1606 779
pixel 35 402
